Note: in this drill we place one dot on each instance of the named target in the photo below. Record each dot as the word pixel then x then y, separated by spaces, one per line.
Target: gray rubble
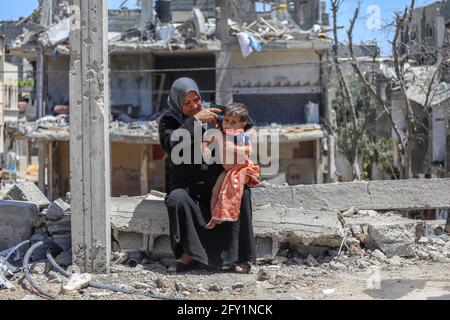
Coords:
pixel 57 209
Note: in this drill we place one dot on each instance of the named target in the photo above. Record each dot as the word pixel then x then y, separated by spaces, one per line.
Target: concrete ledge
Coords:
pixel 147 216
pixel 373 195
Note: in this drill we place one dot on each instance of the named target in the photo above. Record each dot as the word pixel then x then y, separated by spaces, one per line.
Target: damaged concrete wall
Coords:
pixel 125 169
pixel 265 69
pixel 297 164
pixel 129 87
pixel 57 82
pixel 287 88
pixel 123 20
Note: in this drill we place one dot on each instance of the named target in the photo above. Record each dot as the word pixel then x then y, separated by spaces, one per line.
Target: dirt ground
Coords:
pixel 280 280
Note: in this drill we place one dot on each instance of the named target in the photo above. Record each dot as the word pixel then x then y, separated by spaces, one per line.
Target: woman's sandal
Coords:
pixel 243 268
pixel 182 267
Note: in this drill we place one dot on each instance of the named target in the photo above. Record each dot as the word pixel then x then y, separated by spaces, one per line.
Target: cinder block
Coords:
pixel 130 240
pixel 266 248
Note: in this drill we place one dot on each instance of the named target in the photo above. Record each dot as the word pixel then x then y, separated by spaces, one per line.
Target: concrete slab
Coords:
pixel 28 191
pixel 16 222
pixel 375 195
pixel 273 225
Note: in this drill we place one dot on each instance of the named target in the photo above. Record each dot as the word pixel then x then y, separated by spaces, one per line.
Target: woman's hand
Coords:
pixel 208 115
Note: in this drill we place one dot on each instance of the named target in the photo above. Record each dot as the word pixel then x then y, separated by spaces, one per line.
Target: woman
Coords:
pixel 190 187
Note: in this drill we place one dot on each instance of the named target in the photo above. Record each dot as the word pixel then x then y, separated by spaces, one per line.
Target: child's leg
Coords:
pixel 216 190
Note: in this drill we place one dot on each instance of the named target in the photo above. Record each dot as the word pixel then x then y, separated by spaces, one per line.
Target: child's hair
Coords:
pixel 240 110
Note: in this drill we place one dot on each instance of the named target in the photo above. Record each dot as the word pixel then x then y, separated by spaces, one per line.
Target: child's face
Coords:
pixel 232 122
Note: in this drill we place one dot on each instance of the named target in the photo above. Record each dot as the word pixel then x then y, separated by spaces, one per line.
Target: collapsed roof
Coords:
pixel 52 128
pixel 126 33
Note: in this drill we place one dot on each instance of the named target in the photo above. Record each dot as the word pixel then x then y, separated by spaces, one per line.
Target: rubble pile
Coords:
pixel 50 223
pixel 198 31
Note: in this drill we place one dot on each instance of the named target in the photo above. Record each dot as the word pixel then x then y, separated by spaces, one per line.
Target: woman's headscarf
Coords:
pixel 178 92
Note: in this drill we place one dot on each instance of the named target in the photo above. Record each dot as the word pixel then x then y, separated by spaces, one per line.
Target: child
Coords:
pixel 229 188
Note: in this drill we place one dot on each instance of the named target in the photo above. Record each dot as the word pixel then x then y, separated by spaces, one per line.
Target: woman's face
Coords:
pixel 192 104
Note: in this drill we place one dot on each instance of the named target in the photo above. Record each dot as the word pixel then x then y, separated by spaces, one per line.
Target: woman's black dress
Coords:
pixel 188 204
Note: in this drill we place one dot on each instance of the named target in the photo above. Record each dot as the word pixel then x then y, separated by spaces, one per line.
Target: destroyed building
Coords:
pixel 429 99
pixel 8 94
pixel 426 37
pixel 283 82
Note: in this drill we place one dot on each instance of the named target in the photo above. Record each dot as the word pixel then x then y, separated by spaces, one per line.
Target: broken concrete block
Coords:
pixel 29 192
pixel 64 259
pixel 64 241
pixel 62 226
pixel 76 282
pixel 16 222
pixel 437 256
pixel 57 209
pixel 377 254
pixel 396 239
pixel 393 235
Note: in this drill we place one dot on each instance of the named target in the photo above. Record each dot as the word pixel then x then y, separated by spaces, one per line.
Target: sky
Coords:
pixel 374 14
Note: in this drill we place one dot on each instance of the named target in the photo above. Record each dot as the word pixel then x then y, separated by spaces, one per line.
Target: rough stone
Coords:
pixel 363 264
pixel 16 222
pixel 29 192
pixel 180 286
pixel 311 261
pixel 62 226
pixel 377 254
pixel 423 255
pixel 215 288
pixel 337 266
pixel 57 209
pixel 437 256
pixel 439 242
pixel 263 275
pixel 423 240
pixel 395 261
pixel 237 286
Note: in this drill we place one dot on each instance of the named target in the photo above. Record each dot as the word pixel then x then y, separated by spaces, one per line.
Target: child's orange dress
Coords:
pixel 228 205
